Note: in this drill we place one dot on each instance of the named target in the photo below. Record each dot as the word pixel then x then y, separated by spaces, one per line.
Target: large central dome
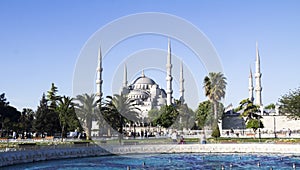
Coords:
pixel 143 80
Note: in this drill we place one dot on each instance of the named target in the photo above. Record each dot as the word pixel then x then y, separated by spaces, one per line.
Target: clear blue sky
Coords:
pixel 41 40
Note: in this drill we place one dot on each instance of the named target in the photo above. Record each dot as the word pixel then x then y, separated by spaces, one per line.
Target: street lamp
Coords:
pixel 275 136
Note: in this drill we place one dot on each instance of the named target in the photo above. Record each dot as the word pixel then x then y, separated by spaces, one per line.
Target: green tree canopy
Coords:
pixel 52 97
pixel 254 124
pixel 118 111
pixel 214 87
pixel 86 111
pixel 250 113
pixel 153 114
pixel 46 119
pixel 216 131
pixel 290 103
pixel 270 106
pixel 67 116
pixel 204 113
pixel 9 116
pixel 186 117
pixel 167 116
pixel 249 110
pixel 26 119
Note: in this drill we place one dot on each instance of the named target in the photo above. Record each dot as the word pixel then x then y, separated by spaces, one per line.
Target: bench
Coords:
pixel 250 134
pixel 81 142
pixel 49 137
pixel 130 143
pixel 26 145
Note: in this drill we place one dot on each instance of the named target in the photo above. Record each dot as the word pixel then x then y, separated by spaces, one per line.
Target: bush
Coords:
pixel 216 132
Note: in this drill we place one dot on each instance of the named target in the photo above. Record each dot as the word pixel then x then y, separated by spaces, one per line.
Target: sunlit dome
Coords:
pixel 144 80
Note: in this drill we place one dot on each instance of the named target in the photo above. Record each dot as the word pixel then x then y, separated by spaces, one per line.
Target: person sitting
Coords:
pixel 181 140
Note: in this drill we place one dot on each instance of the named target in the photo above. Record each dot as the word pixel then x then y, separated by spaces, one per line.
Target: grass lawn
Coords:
pixel 150 141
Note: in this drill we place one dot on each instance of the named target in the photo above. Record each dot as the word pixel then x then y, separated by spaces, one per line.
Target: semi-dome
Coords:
pixel 138 94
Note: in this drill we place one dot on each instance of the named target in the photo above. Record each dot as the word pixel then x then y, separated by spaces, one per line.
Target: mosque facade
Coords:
pixel 145 92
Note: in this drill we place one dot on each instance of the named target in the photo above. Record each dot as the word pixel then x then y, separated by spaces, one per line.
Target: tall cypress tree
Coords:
pixel 46 119
pixel 40 121
pixel 53 99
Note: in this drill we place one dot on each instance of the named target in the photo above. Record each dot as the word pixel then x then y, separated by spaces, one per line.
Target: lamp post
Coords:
pixel 275 136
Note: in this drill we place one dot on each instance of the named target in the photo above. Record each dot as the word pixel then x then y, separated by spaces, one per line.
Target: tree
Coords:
pixel 26 119
pixel 168 115
pixel 153 114
pixel 3 101
pixel 67 116
pixel 85 110
pixel 249 109
pixel 204 114
pixel 9 116
pixel 270 106
pixel 52 97
pixel 250 113
pixel 118 111
pixel 214 87
pixel 46 119
pixel 216 131
pixel 290 104
pixel 185 118
pixel 254 124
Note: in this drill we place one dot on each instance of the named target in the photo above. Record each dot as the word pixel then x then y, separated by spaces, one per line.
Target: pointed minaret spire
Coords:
pixel 169 76
pixel 181 80
pixel 258 74
pixel 99 80
pixel 251 86
pixel 257 59
pixel 125 76
pixel 143 74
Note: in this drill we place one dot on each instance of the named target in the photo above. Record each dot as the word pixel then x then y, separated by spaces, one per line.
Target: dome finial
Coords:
pixel 143 74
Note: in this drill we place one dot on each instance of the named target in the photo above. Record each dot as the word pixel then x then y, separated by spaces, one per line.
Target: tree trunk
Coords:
pixel 108 131
pixel 62 133
pixel 88 129
pixel 215 110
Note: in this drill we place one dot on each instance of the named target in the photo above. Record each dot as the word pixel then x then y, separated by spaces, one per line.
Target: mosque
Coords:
pixel 149 95
pixel 275 123
pixel 146 93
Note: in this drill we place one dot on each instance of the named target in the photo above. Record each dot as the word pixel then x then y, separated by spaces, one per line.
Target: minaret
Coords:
pixel 251 86
pixel 258 74
pixel 181 80
pixel 99 80
pixel 125 76
pixel 169 76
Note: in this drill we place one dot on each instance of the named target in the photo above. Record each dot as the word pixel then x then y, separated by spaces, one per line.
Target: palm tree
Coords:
pixel 85 110
pixel 64 109
pixel 214 87
pixel 119 110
